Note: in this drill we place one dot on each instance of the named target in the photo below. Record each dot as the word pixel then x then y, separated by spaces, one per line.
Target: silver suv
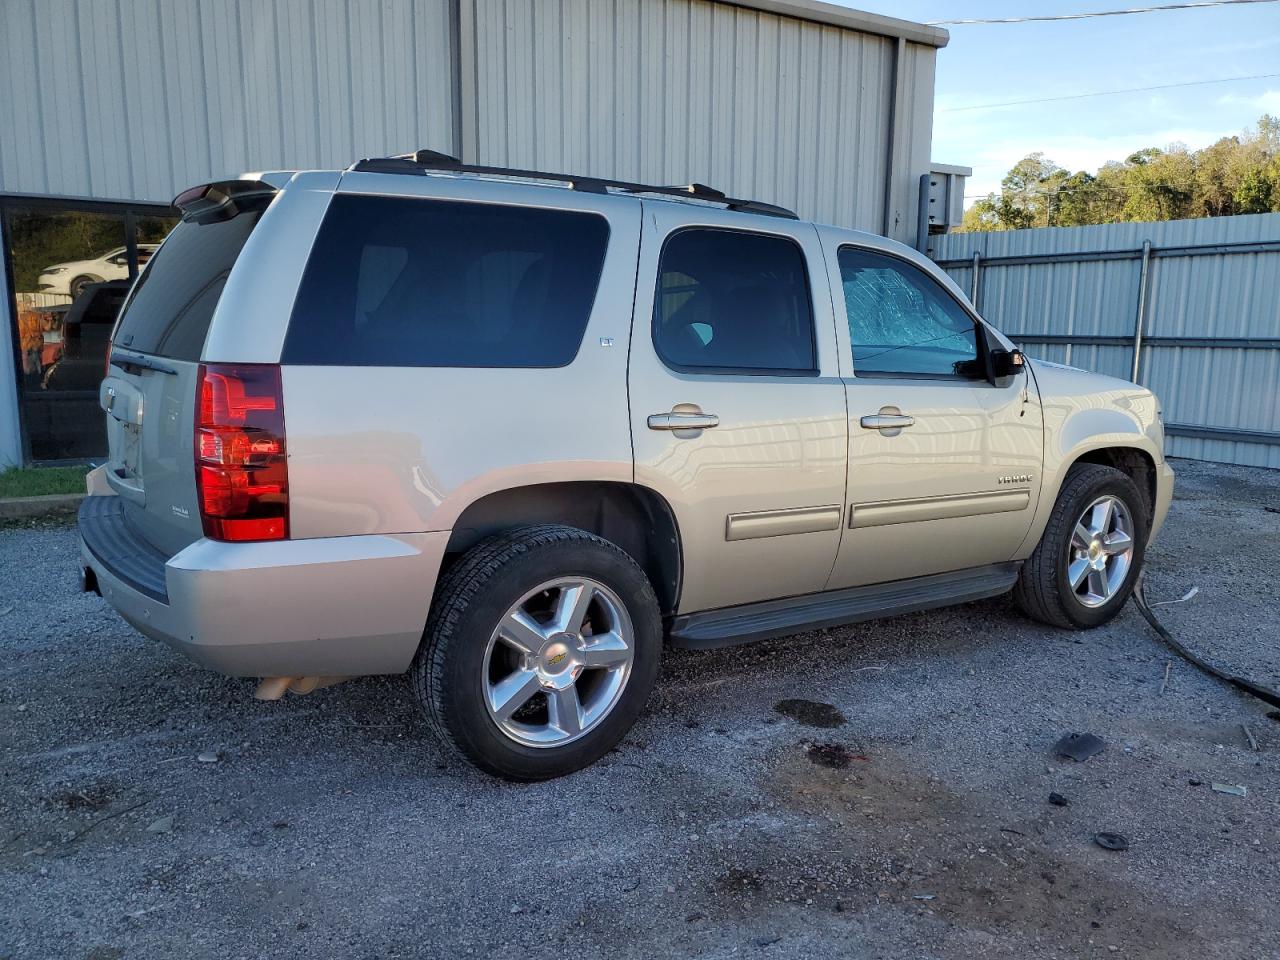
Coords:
pixel 510 431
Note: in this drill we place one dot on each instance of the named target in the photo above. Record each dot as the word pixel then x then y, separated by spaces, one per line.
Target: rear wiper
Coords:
pixel 121 357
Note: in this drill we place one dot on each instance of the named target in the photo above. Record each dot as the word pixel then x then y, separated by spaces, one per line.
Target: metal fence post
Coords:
pixel 1144 283
pixel 976 287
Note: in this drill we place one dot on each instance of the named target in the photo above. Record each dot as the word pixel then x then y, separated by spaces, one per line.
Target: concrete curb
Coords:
pixel 51 505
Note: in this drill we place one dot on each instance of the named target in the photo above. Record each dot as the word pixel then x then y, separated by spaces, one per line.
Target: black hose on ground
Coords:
pixel 1240 683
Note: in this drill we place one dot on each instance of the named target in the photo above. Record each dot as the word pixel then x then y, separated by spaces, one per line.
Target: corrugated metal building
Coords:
pixel 112 106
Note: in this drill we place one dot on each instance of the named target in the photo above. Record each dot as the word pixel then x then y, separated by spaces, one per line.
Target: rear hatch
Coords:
pixel 149 394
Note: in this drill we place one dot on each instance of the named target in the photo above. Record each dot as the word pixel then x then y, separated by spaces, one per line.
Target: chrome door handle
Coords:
pixel 887 421
pixel 682 421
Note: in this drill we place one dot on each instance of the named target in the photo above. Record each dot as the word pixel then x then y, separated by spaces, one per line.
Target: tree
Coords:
pixel 1215 196
pixel 983 216
pixel 1239 174
pixel 1160 184
pixel 1078 199
pixel 1025 191
pixel 1254 195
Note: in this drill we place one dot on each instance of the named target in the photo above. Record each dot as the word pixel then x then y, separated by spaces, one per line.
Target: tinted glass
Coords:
pixel 734 301
pixel 902 322
pixel 172 303
pixel 62 258
pixel 71 272
pixel 400 282
pixel 104 305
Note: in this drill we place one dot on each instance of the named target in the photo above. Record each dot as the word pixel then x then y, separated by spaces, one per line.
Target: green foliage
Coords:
pixel 1235 175
pixel 1255 193
pixel 40 238
pixel 41 481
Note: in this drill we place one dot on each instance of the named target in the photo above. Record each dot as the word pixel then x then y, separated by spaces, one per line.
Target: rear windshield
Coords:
pixel 172 303
pixel 411 282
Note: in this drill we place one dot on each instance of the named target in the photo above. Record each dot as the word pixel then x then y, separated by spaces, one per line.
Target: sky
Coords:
pixel 994 63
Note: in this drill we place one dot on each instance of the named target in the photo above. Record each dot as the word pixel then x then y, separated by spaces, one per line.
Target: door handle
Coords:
pixel 887 421
pixel 677 420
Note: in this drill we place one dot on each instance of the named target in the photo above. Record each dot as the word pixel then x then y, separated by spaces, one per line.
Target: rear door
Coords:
pixel 737 408
pixel 944 465
pixel 149 393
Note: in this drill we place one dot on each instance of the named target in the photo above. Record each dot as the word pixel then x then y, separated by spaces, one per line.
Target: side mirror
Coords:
pixel 1007 363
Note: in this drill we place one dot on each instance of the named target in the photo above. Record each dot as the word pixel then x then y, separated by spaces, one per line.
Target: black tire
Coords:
pixel 76 286
pixel 1043 590
pixel 448 671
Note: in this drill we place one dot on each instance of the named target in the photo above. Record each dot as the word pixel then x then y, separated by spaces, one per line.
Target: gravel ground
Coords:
pixel 332 825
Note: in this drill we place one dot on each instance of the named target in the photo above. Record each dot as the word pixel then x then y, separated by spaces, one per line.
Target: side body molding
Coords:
pixel 937 508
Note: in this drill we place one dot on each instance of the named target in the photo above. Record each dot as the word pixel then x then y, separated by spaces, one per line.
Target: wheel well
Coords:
pixel 1132 461
pixel 633 517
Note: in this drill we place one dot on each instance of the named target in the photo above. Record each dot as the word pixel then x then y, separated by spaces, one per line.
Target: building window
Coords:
pixel 70 267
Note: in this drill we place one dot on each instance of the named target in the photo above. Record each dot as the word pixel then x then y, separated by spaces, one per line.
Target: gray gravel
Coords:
pixel 332 825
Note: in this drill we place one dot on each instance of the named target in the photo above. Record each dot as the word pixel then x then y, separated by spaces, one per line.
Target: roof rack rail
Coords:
pixel 422 161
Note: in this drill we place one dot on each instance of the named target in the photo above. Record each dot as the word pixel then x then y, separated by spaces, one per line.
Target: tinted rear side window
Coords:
pixel 169 311
pixel 730 301
pixel 432 283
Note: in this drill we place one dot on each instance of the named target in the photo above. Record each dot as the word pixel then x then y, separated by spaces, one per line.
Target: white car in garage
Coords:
pixel 70 278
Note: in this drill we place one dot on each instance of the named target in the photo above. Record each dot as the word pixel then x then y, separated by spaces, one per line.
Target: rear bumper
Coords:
pixel 336 606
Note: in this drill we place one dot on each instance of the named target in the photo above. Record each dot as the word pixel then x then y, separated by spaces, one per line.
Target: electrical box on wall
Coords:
pixel 941 201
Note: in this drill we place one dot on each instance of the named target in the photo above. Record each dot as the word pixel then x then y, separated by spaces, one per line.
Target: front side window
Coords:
pixel 902 323
pixel 731 301
pixel 433 283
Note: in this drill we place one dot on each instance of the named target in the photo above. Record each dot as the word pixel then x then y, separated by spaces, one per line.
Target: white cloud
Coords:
pixel 1268 102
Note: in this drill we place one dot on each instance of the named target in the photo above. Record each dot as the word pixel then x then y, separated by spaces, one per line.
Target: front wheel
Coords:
pixel 541 649
pixel 1086 564
pixel 76 286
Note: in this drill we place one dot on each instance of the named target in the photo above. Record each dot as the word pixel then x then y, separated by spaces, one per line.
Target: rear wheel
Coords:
pixel 1085 566
pixel 542 647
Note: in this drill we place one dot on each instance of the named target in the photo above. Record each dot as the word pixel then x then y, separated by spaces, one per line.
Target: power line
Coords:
pixel 1098 13
pixel 1109 93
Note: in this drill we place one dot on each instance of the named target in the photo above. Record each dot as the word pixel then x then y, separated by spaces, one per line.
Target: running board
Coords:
pixel 776 618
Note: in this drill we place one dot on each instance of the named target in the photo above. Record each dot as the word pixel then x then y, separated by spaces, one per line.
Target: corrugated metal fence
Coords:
pixel 1190 308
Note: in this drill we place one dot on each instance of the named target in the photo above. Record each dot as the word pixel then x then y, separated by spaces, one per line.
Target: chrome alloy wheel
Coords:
pixel 1101 551
pixel 558 662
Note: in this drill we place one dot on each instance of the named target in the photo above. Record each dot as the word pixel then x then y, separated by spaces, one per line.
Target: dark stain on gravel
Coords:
pixel 92 796
pixel 737 880
pixel 811 713
pixel 834 755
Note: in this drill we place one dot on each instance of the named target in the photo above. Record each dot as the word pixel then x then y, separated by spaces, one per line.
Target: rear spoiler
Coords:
pixel 223 199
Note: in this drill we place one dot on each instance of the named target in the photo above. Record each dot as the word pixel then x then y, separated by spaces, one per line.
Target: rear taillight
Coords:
pixel 242 476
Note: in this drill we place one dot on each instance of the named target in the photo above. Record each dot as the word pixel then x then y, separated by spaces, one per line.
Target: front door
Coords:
pixel 737 408
pixel 944 465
